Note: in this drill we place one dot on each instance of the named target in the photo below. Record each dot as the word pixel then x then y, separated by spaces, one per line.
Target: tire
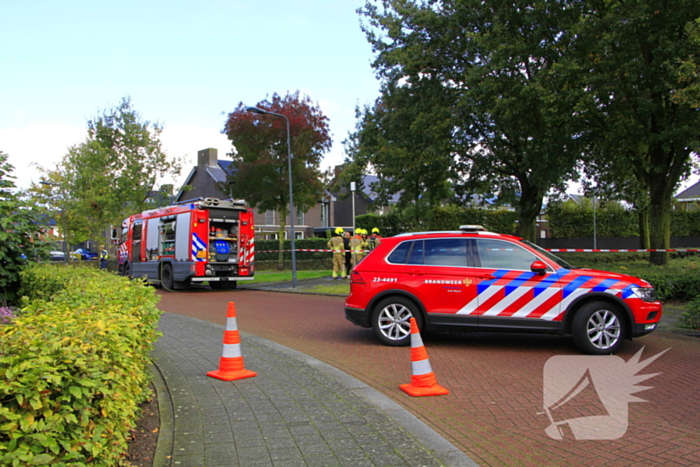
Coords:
pixel 225 285
pixel 391 321
pixel 126 270
pixel 598 328
pixel 166 277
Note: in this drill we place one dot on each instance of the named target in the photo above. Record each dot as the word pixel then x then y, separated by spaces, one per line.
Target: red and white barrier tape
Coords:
pixel 554 250
pixel 322 251
pixel 618 251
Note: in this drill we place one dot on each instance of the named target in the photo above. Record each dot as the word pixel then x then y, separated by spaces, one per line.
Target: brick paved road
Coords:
pixel 496 381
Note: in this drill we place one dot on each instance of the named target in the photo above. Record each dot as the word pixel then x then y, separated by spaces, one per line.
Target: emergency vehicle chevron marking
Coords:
pixel 516 305
pixel 506 302
pixel 575 285
pixel 518 282
pixel 529 295
pixel 546 302
pixel 197 246
pixel 604 285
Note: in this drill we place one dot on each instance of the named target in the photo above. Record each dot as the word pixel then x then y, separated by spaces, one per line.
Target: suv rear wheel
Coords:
pixel 391 321
pixel 598 328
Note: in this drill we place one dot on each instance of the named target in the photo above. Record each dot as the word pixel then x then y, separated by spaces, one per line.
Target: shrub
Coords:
pixel 691 318
pixel 73 368
pixel 21 233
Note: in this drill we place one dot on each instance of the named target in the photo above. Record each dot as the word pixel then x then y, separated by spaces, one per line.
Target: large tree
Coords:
pixel 405 138
pixel 638 106
pixel 260 154
pixel 503 71
pixel 112 173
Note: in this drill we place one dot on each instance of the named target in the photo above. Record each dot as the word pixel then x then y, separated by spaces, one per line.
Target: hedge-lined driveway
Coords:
pixel 494 411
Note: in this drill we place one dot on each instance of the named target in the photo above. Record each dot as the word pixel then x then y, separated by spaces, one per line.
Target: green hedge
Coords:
pixel 569 220
pixel 306 244
pixel 74 367
pixel 447 217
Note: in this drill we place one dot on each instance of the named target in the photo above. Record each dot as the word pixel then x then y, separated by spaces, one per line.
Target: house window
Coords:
pixel 270 217
pixel 301 217
pixel 298 235
pixel 324 214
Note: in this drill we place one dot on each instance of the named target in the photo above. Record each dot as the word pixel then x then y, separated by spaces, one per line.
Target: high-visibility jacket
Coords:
pixel 104 254
pixel 373 241
pixel 356 243
pixel 336 244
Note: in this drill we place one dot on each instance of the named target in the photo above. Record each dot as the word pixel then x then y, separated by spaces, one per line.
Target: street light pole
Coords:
pixel 291 191
pixel 65 225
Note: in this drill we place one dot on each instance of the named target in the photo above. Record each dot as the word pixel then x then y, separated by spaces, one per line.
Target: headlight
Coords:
pixel 648 294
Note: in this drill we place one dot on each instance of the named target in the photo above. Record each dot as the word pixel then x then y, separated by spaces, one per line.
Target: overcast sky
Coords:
pixel 185 64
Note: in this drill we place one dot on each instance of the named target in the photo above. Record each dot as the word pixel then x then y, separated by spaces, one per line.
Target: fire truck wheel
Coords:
pixel 166 277
pixel 227 285
pixel 126 271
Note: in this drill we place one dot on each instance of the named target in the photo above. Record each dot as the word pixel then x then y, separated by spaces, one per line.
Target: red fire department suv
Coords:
pixel 474 280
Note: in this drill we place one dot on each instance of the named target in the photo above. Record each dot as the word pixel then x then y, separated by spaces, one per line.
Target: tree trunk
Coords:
pixel 660 221
pixel 643 216
pixel 530 206
pixel 280 238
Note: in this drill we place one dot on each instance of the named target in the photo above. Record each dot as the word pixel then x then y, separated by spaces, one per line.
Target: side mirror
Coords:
pixel 538 267
pixel 115 234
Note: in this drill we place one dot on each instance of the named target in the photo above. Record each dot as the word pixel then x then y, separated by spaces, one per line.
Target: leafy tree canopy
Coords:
pixel 495 79
pixel 112 174
pixel 22 226
pixel 260 153
pixel 640 121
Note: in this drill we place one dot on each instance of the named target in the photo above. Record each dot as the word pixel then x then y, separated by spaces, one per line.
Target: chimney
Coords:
pixel 208 157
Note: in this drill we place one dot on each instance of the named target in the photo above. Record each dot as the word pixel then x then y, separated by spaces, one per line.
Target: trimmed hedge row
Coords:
pixel 74 367
pixel 261 246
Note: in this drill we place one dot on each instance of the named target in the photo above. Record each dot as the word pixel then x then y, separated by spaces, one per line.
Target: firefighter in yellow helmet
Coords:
pixel 374 240
pixel 337 246
pixel 356 246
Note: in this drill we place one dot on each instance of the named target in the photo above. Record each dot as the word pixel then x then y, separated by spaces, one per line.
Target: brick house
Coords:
pixel 208 180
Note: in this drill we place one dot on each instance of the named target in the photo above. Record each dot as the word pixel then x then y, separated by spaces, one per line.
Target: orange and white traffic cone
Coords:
pixel 231 362
pixel 423 382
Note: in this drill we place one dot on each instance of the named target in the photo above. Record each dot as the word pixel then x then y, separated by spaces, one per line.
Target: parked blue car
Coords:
pixel 83 254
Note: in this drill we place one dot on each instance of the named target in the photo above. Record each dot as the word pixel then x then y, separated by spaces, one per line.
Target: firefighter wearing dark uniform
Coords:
pixel 374 240
pixel 338 247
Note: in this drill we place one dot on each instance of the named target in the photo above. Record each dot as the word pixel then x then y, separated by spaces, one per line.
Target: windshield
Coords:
pixel 549 255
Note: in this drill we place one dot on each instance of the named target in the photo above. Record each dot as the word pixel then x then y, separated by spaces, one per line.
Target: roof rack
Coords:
pixel 214 202
pixel 472 228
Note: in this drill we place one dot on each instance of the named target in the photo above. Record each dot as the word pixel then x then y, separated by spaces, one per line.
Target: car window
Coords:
pixel 398 256
pixel 499 254
pixel 416 254
pixel 446 252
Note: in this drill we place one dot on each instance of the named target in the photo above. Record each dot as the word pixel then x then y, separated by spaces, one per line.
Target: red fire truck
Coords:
pixel 201 240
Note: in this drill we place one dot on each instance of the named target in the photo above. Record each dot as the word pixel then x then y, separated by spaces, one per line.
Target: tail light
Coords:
pixel 356 278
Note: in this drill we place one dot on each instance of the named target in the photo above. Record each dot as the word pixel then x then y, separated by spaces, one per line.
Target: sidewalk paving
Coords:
pixel 297 411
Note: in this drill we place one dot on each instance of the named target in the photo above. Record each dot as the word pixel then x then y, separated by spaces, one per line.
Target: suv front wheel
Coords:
pixel 391 321
pixel 598 329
